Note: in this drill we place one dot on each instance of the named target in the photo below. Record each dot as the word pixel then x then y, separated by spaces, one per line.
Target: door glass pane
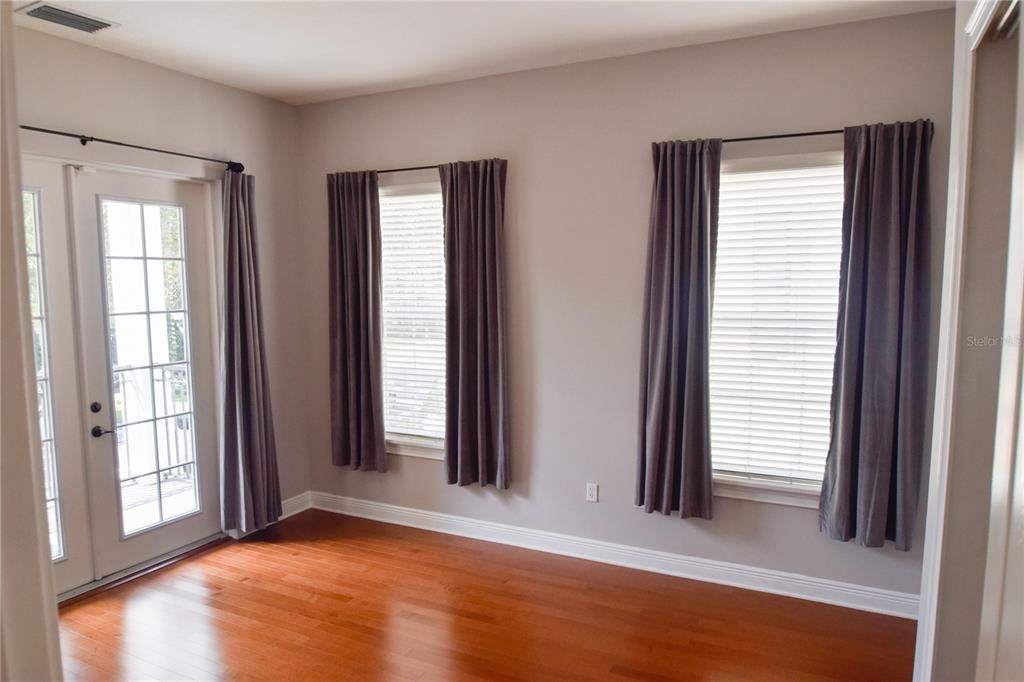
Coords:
pixel 173 395
pixel 38 344
pixel 140 503
pixel 136 450
pixel 133 396
pixel 151 366
pixel 169 338
pixel 35 286
pixel 165 285
pixel 178 491
pixel 122 229
pixel 123 294
pixel 174 441
pixel 40 340
pixel 129 341
pixel 163 231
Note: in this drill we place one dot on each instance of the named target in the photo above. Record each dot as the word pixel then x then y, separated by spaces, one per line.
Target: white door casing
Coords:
pixel 1001 633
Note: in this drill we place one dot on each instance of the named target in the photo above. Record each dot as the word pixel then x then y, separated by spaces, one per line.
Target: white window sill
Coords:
pixel 414 446
pixel 787 493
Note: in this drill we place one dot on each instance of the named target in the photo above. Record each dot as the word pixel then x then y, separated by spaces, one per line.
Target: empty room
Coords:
pixel 512 341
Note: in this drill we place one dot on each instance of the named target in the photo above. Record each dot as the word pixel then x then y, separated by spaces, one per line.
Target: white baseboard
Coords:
pixel 860 597
pixel 299 503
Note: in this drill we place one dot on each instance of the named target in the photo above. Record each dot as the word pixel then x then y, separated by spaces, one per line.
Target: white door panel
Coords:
pixel 148 347
pixel 62 413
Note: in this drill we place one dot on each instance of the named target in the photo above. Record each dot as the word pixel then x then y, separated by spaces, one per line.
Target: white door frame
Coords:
pixel 966 42
pixel 44 149
pixel 1001 629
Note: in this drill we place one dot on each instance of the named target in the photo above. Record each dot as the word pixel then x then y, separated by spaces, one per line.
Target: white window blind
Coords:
pixel 412 264
pixel 773 329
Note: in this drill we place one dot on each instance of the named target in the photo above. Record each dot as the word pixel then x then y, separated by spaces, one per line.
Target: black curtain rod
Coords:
pixel 783 135
pixel 86 139
pixel 410 168
pixel 753 138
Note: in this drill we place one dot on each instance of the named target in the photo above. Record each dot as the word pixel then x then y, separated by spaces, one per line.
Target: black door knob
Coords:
pixel 98 431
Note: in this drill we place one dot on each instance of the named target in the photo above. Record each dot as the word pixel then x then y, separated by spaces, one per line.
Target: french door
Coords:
pixel 123 316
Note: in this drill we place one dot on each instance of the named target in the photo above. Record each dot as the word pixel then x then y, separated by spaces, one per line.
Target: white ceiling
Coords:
pixel 302 52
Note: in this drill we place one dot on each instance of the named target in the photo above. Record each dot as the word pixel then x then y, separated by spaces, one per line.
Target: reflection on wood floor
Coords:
pixel 328 597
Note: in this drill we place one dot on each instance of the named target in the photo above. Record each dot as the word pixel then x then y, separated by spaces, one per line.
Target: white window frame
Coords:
pixel 414 446
pixel 787 492
pixel 756 489
pixel 396 184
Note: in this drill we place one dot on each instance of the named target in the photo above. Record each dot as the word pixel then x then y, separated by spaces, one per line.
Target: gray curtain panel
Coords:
pixel 357 402
pixel 251 492
pixel 476 433
pixel 674 457
pixel 880 393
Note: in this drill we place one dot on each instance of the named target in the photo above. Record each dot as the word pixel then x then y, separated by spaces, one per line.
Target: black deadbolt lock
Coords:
pixel 95 407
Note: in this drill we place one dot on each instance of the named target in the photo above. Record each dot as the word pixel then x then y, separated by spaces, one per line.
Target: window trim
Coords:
pixel 780 162
pixel 391 188
pixel 414 446
pixel 790 493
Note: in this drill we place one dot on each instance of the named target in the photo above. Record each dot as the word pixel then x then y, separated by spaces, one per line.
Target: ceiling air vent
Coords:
pixel 46 11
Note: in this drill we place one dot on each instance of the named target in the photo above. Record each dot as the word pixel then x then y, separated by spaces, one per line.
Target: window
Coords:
pixel 773 328
pixel 44 387
pixel 413 284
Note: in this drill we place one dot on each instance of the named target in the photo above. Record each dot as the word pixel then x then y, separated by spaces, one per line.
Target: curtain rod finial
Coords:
pixel 236 167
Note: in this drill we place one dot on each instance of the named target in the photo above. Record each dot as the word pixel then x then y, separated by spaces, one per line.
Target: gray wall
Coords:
pixel 69 86
pixel 978 360
pixel 578 143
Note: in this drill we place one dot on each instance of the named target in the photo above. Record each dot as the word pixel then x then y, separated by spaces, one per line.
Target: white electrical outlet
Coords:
pixel 591 492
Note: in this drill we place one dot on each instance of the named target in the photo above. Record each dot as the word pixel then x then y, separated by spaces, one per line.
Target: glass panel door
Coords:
pixel 120 274
pixel 144 246
pixel 61 427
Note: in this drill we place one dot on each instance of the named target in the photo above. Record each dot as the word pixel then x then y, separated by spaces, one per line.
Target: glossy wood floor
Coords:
pixel 324 597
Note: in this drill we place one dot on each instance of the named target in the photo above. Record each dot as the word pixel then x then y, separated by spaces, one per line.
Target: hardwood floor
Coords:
pixel 322 596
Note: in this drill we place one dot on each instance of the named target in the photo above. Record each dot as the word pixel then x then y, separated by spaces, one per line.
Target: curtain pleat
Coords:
pixel 674 453
pixel 880 383
pixel 357 402
pixel 250 486
pixel 476 432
